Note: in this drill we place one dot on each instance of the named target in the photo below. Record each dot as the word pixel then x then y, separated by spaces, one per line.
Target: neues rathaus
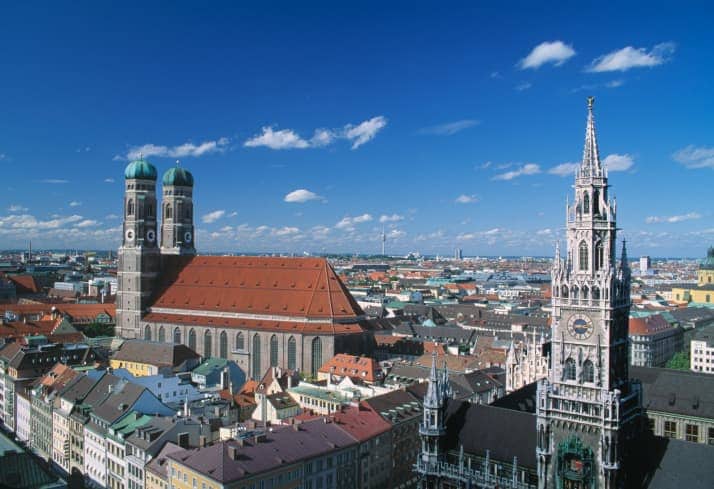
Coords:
pixel 581 427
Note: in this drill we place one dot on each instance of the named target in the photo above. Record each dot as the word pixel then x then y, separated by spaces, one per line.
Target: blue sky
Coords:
pixel 310 127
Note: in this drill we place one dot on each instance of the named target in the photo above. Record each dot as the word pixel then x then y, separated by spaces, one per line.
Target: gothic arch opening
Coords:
pixel 583 256
pixel 223 345
pixel 274 351
pixel 147 333
pixel 177 335
pixel 162 335
pixel 599 256
pixel 240 341
pixel 586 203
pixel 569 370
pixel 588 371
pixel 207 339
pixel 256 356
pixel 130 207
pixel 192 339
pixel 292 350
pixel 316 356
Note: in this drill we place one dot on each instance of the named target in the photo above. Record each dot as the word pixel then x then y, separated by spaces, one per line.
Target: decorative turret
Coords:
pixel 590 166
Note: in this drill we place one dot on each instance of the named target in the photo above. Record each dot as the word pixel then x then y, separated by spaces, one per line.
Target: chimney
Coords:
pixel 233 452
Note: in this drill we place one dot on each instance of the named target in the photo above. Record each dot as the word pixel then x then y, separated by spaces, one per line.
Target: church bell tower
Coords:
pixel 177 233
pixel 139 261
pixel 588 409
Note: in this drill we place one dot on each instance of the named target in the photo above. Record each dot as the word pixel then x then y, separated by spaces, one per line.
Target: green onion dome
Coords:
pixel 141 170
pixel 178 176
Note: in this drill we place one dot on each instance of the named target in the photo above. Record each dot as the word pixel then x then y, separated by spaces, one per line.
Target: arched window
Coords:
pixel 257 373
pixel 291 353
pixel 584 293
pixel 588 371
pixel 596 293
pixel 177 336
pixel 130 207
pixel 162 335
pixel 147 333
pixel 583 255
pixel 192 339
pixel 316 356
pixel 207 339
pixel 223 345
pixel 586 203
pixel 707 298
pixel 179 210
pixel 274 351
pixel 574 293
pixel 569 369
pixel 167 212
pixel 596 202
pixel 240 341
pixel 565 291
pixel 599 256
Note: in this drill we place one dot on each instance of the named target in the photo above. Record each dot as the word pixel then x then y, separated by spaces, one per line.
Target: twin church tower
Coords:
pixel 143 249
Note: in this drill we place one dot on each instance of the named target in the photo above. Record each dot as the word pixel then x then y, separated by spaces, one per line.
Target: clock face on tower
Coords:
pixel 150 235
pixel 580 327
pixel 129 235
pixel 187 237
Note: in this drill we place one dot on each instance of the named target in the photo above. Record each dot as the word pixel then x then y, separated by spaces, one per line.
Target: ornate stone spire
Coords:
pixel 433 396
pixel 590 167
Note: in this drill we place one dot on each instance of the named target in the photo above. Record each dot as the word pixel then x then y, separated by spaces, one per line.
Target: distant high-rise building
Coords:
pixel 645 264
pixel 458 254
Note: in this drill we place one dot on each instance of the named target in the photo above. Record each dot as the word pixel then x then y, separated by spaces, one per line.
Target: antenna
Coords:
pixel 384 240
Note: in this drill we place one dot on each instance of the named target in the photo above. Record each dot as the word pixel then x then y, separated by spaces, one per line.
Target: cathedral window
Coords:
pixel 162 335
pixel 240 341
pixel 588 371
pixel 192 339
pixel 569 369
pixel 584 293
pixel 168 212
pixel 177 336
pixel 274 351
pixel 596 293
pixel 316 356
pixel 130 207
pixel 223 345
pixel 256 356
pixel 586 203
pixel 583 256
pixel 599 256
pixel 147 333
pixel 207 340
pixel 565 291
pixel 291 353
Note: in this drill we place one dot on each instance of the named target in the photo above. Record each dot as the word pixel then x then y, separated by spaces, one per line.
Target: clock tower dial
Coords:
pixel 580 326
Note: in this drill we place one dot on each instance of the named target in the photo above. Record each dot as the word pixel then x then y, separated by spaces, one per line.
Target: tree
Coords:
pixel 679 361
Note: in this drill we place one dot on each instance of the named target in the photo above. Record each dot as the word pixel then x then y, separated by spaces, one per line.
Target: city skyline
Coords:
pixel 311 135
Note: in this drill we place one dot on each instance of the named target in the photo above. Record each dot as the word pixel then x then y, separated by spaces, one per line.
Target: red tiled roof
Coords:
pixel 648 325
pixel 361 421
pixel 364 368
pixel 303 287
pixel 76 311
pixel 24 284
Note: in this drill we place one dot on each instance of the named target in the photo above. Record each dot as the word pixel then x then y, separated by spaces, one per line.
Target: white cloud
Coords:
pixel 466 199
pixel 615 83
pixel 527 169
pixel 555 53
pixel 284 231
pixel 629 57
pixel 213 216
pixel 111 216
pixel 523 86
pixel 180 151
pixel 118 158
pixel 74 203
pixel 17 208
pixel 449 128
pixel 233 214
pixel 393 218
pixel 109 180
pixel 673 219
pixel 395 234
pixel 288 139
pixel 54 181
pixel 616 162
pixel 564 169
pixel 86 223
pixel 695 157
pixel 301 196
pixel 282 139
pixel 364 131
pixel 26 221
pixel 544 232
pixel 322 137
pixel 348 223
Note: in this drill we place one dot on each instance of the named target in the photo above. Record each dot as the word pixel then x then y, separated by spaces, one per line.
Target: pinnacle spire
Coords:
pixel 624 263
pixel 590 167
